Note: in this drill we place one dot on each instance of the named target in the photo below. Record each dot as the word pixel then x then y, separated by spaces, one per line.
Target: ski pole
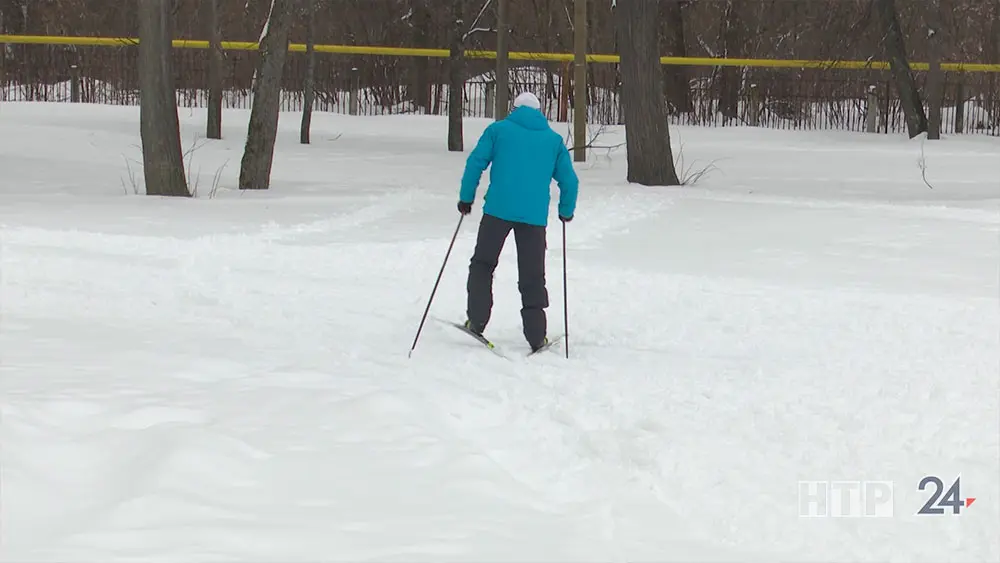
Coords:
pixel 433 291
pixel 565 299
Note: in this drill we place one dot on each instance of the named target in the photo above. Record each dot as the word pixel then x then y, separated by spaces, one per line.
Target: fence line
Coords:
pixel 852 99
pixel 482 54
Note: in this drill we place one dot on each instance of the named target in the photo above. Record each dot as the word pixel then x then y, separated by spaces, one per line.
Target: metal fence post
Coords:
pixel 491 97
pixel 74 84
pixel 959 106
pixel 754 99
pixel 871 109
pixel 353 95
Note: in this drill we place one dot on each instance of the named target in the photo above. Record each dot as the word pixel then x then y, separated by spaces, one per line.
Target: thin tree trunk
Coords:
pixel 421 32
pixel 438 84
pixel 993 56
pixel 456 79
pixel 993 43
pixel 935 78
pixel 909 95
pixel 647 134
pixel 3 57
pixel 309 84
pixel 550 82
pixel 214 125
pixel 676 76
pixel 580 102
pixel 262 131
pixel 163 165
pixel 729 83
pixel 503 76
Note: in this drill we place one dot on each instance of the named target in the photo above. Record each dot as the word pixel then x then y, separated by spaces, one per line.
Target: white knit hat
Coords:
pixel 527 99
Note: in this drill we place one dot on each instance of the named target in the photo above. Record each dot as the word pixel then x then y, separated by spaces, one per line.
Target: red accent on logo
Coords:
pixel 969 501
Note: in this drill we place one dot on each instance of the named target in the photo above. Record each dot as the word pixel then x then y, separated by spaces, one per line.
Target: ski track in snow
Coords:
pixel 215 390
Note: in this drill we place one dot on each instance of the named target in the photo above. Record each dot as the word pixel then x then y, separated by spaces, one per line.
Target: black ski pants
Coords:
pixel 530 241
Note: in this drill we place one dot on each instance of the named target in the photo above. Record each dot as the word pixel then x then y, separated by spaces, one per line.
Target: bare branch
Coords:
pixel 475 22
pixel 478 30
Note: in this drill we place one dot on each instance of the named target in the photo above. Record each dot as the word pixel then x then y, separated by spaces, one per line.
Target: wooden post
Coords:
pixel 580 81
pixel 871 109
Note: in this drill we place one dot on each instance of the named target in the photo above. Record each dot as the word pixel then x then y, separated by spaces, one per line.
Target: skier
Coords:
pixel 525 155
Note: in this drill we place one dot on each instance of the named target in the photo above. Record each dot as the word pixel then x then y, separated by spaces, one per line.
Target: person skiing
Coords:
pixel 525 155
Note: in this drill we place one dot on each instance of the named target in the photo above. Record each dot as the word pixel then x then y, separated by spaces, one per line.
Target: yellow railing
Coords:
pixel 478 54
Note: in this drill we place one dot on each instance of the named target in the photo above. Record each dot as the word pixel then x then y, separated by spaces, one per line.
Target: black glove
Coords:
pixel 565 219
pixel 464 208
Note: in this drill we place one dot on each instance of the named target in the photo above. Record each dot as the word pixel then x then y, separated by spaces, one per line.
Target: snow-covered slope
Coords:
pixel 226 378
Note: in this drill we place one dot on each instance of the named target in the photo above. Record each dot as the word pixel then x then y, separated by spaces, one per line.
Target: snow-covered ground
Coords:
pixel 226 378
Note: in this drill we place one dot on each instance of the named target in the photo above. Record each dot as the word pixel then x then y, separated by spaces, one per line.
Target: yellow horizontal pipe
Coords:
pixel 477 54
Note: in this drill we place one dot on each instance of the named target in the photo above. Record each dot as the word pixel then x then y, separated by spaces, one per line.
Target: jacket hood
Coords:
pixel 529 118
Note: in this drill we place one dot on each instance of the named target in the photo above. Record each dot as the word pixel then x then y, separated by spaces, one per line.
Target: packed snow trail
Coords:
pixel 227 378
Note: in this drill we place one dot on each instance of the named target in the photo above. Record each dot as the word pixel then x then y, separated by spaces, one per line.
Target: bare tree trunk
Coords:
pixel 547 43
pixel 258 155
pixel 163 165
pixel 580 104
pixel 993 45
pixel 421 18
pixel 503 77
pixel 993 56
pixel 729 83
pixel 456 78
pixel 993 49
pixel 3 57
pixel 909 95
pixel 309 84
pixel 214 125
pixel 677 88
pixel 935 78
pixel 647 134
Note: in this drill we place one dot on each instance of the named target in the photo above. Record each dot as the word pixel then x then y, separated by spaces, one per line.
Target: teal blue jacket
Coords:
pixel 524 155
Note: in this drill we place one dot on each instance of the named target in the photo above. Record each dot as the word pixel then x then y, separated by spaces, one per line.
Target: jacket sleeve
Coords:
pixel 568 182
pixel 478 160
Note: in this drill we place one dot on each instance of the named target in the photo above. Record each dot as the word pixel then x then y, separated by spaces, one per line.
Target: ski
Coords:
pixel 479 338
pixel 547 346
pixel 490 345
